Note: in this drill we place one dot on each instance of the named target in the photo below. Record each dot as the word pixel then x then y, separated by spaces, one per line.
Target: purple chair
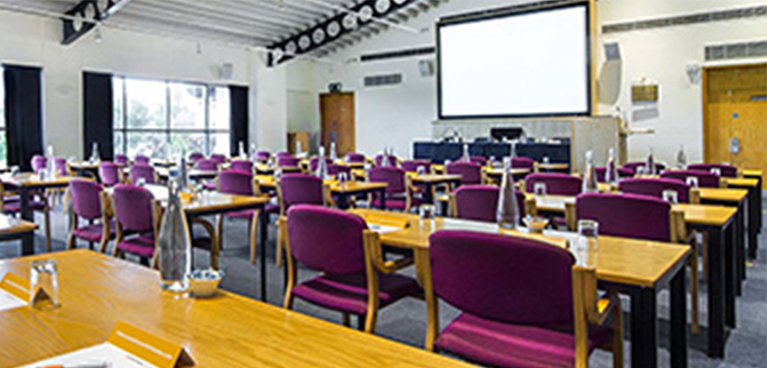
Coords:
pixel 623 173
pixel 398 192
pixel 355 158
pixel 239 183
pixel 263 156
pixel 298 188
pixel 141 160
pixel 11 205
pixel 335 169
pixel 60 166
pixel 705 179
pixel 136 213
pixel 519 162
pixel 110 173
pixel 314 162
pixel 284 154
pixel 288 161
pixel 556 183
pixel 392 160
pixel 727 171
pixel 478 160
pixel 634 166
pixel 654 187
pixel 140 171
pixel 121 160
pixel 218 158
pixel 337 244
pixel 196 156
pixel 626 215
pixel 242 165
pixel 480 203
pixel 470 172
pixel 39 162
pixel 207 165
pixel 413 165
pixel 518 303
pixel 86 196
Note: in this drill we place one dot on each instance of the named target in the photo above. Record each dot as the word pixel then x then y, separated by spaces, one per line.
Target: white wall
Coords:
pixel 32 40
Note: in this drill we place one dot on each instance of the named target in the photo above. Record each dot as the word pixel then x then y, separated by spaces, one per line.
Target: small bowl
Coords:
pixel 536 224
pixel 204 283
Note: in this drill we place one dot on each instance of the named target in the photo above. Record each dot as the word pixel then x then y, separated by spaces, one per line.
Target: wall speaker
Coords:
pixel 612 51
pixel 426 68
pixel 225 71
pixel 694 73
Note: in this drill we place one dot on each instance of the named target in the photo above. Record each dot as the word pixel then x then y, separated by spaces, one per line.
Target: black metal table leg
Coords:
pixel 342 201
pixel 382 193
pixel 644 328
pixel 716 291
pixel 734 264
pixel 679 320
pixel 731 279
pixel 263 236
pixel 746 228
pixel 27 244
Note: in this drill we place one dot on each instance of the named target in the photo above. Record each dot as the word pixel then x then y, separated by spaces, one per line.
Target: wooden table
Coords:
pixel 12 228
pixel 342 193
pixel 428 181
pixel 756 174
pixel 540 166
pixel 637 267
pixel 194 174
pixel 83 168
pixel 754 208
pixel 229 330
pixel 497 173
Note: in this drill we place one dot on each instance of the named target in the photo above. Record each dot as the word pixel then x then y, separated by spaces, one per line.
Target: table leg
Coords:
pixel 382 193
pixel 26 210
pixel 644 328
pixel 428 196
pixel 716 292
pixel 27 244
pixel 679 320
pixel 731 278
pixel 738 262
pixel 264 227
pixel 754 214
pixel 343 201
pixel 748 229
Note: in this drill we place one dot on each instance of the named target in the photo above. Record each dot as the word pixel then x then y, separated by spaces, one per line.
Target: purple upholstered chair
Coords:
pixel 470 172
pixel 298 188
pixel 626 215
pixel 634 166
pixel 315 161
pixel 556 183
pixel 121 160
pixel 654 187
pixel 399 194
pixel 478 160
pixel 196 156
pixel 480 203
pixel 263 156
pixel 623 173
pixel 413 165
pixel 60 166
pixel 336 244
pixel 392 160
pixel 705 179
pixel 519 162
pixel 11 205
pixel 242 165
pixel 136 213
pixel 110 173
pixel 726 171
pixel 240 183
pixel 355 158
pixel 284 154
pixel 207 165
pixel 335 169
pixel 141 160
pixel 139 171
pixel 86 196
pixel 218 158
pixel 288 161
pixel 39 162
pixel 511 315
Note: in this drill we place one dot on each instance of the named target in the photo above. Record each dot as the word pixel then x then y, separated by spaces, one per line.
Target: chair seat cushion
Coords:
pixel 93 232
pixel 15 206
pixel 141 245
pixel 348 293
pixel 210 186
pixel 505 345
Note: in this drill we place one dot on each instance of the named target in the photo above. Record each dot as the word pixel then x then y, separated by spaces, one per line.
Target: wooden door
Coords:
pixel 735 116
pixel 337 114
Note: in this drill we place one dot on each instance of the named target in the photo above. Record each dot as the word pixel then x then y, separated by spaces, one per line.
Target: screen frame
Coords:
pixel 511 13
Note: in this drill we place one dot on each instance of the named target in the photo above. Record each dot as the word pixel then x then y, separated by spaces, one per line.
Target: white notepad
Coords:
pixel 383 229
pixel 10 301
pixel 104 353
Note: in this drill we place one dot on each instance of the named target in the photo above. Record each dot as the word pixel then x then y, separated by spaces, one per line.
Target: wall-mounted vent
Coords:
pixel 689 19
pixel 383 80
pixel 427 50
pixel 740 50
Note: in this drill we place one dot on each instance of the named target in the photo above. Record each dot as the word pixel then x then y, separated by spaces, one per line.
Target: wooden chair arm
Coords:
pixel 694 196
pixel 373 250
pixel 571 216
pixel 597 310
pixel 207 225
pixel 678 226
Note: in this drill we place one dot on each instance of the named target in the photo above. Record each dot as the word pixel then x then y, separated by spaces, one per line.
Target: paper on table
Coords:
pixel 10 301
pixel 383 229
pixel 103 353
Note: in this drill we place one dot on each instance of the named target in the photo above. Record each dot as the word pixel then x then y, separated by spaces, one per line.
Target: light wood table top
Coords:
pixel 434 178
pixel 552 166
pixel 193 173
pixel 747 172
pixel 741 182
pixel 35 180
pixel 10 225
pixel 267 181
pixel 83 165
pixel 722 194
pixel 228 330
pixel 618 260
pixel 499 172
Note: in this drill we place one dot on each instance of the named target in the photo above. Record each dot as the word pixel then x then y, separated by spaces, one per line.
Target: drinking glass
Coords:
pixel 586 243
pixel 44 284
pixel 692 181
pixel 539 189
pixel 420 170
pixel 716 171
pixel 641 170
pixel 427 212
pixel 141 182
pixel 671 196
pixel 343 178
pixel 546 159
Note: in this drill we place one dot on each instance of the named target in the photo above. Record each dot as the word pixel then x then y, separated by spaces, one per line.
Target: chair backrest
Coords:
pixel 314 162
pixel 298 188
pixel 503 278
pixel 242 165
pixel 196 156
pixel 556 183
pixel 392 160
pixel 335 169
pixel 470 172
pixel 394 178
pixel 326 239
pixel 86 198
pixel 635 165
pixel 705 179
pixel 121 160
pixel 264 155
pixel 654 187
pixel 235 182
pixel 218 158
pixel 355 158
pixel 727 171
pixel 110 173
pixel 626 215
pixel 478 160
pixel 288 161
pixel 138 171
pixel 39 162
pixel 60 165
pixel 133 207
pixel 522 162
pixel 141 160
pixel 207 164
pixel 413 165
pixel 480 202
pixel 601 172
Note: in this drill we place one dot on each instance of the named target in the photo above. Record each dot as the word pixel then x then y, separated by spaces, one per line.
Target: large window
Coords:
pixel 3 143
pixel 155 118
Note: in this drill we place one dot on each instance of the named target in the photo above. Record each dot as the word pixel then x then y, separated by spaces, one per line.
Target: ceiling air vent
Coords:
pixel 383 80
pixel 739 50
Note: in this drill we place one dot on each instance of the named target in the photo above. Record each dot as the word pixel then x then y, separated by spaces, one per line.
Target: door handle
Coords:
pixel 734 145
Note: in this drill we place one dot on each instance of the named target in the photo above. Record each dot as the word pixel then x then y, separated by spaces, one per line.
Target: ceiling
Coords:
pixel 253 23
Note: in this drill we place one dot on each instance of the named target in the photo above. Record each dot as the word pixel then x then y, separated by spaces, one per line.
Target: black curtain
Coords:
pixel 98 112
pixel 23 114
pixel 238 97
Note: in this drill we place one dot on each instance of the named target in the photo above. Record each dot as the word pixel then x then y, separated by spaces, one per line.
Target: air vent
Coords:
pixel 428 50
pixel 383 80
pixel 739 50
pixel 689 19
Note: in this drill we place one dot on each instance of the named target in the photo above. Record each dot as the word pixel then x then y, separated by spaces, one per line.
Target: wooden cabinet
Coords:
pixel 294 137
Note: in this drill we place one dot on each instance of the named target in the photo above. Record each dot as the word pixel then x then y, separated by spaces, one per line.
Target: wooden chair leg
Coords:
pixel 47 230
pixel 71 242
pixel 103 245
pixel 693 263
pixel 278 250
pixel 617 348
pixel 254 236
pixel 370 322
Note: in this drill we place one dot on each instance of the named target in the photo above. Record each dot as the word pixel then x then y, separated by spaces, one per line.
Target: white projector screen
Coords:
pixel 521 64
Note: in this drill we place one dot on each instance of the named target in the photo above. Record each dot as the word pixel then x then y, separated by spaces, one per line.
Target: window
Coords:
pixel 161 118
pixel 3 143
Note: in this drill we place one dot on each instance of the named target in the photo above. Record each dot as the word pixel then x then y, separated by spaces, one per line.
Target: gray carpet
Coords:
pixel 406 320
